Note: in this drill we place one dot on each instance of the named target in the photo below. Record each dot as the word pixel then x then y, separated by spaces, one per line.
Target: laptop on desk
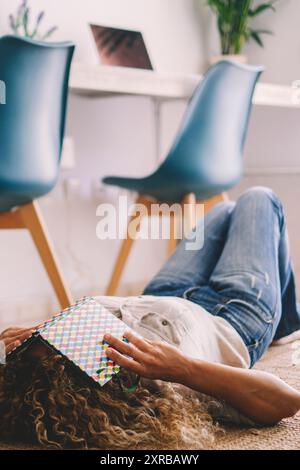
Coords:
pixel 121 47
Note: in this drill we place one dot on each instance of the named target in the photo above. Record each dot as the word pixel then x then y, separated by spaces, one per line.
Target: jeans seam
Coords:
pixel 257 342
pixel 204 297
pixel 279 210
pixel 255 307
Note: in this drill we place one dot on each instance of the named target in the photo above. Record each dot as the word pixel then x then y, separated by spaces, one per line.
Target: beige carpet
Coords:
pixel 285 436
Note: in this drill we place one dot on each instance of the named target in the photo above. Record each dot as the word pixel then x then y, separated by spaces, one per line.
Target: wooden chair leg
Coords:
pixel 173 242
pixel 123 255
pixel 210 203
pixel 119 267
pixel 189 213
pixel 33 221
pixel 11 220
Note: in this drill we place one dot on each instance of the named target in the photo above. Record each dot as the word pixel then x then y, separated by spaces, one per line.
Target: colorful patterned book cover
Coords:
pixel 77 333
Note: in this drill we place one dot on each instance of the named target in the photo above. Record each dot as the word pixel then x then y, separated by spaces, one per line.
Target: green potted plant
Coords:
pixel 20 24
pixel 235 25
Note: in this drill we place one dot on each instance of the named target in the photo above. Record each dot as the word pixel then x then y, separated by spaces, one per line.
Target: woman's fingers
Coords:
pixel 14 337
pixel 22 335
pixel 10 347
pixel 138 342
pixel 19 337
pixel 123 361
pixel 11 331
pixel 14 331
pixel 123 347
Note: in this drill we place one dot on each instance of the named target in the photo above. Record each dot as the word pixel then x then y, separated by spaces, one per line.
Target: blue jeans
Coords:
pixel 242 274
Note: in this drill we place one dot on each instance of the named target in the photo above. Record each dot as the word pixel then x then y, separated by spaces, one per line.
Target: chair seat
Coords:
pixel 16 197
pixel 9 202
pixel 167 190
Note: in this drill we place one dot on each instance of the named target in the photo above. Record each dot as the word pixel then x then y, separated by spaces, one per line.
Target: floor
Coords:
pixel 283 361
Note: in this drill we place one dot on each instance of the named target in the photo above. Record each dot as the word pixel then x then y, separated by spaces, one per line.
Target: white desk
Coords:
pixel 97 81
pixel 100 81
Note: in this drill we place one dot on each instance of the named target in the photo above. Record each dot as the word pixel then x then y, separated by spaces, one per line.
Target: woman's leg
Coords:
pixel 190 268
pixel 290 318
pixel 253 269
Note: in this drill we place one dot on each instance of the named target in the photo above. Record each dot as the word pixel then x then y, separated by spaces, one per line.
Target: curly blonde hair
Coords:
pixel 46 401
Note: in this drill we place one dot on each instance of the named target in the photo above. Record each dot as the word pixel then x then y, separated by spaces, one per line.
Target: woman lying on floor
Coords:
pixel 206 319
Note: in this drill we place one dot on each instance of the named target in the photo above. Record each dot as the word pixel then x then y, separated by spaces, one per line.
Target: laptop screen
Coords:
pixel 122 48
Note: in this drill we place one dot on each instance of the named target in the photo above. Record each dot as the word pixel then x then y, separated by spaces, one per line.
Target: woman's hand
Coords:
pixel 154 360
pixel 14 337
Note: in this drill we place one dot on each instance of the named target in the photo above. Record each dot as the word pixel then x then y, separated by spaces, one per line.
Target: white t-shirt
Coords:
pixel 193 330
pixel 184 324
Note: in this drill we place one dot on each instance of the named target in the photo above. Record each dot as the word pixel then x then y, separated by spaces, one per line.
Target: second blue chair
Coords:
pixel 206 157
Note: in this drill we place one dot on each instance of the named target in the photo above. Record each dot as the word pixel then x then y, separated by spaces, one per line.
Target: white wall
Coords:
pixel 169 26
pixel 115 136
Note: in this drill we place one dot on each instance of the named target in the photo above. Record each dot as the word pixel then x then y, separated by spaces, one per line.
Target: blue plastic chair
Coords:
pixel 206 157
pixel 32 124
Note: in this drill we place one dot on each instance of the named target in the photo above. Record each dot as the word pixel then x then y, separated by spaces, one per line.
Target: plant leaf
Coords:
pixel 261 9
pixel 49 33
pixel 263 31
pixel 26 21
pixel 12 23
pixel 37 24
pixel 256 37
pixel 234 18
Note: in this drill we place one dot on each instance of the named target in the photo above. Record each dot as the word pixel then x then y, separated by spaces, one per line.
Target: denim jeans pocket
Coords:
pixel 251 322
pixel 266 314
pixel 204 296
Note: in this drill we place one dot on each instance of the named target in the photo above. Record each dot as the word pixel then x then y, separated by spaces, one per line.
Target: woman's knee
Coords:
pixel 261 194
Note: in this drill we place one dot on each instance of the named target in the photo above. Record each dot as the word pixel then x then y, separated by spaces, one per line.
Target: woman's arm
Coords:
pixel 260 396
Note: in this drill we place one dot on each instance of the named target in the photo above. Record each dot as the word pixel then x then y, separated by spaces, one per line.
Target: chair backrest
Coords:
pixel 210 142
pixel 32 121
